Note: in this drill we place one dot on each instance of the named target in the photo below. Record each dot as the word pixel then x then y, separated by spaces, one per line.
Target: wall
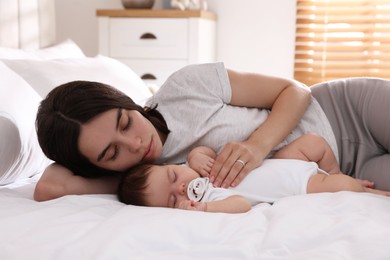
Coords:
pixel 253 35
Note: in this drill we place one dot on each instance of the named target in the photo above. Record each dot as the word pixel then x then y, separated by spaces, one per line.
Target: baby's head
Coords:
pixel 156 185
pixel 133 184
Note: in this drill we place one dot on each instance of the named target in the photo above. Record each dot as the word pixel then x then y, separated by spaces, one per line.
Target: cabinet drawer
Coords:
pixel 154 71
pixel 148 38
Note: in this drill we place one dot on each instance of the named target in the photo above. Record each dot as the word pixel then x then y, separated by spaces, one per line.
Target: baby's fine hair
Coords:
pixel 133 184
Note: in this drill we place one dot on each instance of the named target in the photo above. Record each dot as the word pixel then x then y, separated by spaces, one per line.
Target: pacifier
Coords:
pixel 196 188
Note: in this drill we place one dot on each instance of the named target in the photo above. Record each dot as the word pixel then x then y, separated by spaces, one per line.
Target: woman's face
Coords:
pixel 119 139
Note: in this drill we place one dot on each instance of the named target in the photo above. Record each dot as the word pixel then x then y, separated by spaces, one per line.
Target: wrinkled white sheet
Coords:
pixel 340 225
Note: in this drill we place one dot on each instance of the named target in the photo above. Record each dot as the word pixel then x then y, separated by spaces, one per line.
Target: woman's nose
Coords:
pixel 133 143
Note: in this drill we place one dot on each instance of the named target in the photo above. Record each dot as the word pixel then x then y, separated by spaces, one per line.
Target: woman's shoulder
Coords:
pixel 195 79
pixel 198 72
pixel 200 67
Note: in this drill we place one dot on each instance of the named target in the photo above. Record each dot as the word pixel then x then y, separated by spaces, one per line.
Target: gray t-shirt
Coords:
pixel 195 104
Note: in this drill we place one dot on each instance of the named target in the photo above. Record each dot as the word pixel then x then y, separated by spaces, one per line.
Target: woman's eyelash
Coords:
pixel 115 154
pixel 128 123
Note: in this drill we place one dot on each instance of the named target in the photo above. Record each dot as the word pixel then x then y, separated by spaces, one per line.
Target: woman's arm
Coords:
pixel 58 181
pixel 338 182
pixel 232 204
pixel 287 99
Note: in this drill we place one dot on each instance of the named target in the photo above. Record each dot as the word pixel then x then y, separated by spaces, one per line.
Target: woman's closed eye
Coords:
pixel 115 148
pixel 115 153
pixel 128 124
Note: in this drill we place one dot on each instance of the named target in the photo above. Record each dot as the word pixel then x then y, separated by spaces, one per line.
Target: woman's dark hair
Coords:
pixel 133 184
pixel 67 107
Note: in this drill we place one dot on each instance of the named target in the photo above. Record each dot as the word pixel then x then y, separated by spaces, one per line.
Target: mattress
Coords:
pixel 341 225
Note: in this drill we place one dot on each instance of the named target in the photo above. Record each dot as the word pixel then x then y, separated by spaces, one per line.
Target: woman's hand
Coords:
pixel 286 99
pixel 234 162
pixel 58 181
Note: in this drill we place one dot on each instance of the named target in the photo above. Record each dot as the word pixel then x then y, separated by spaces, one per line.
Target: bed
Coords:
pixel 341 225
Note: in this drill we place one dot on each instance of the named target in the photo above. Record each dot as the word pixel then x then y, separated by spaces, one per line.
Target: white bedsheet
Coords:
pixel 340 225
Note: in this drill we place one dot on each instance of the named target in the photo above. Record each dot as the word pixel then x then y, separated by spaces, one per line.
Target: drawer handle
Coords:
pixel 148 36
pixel 148 76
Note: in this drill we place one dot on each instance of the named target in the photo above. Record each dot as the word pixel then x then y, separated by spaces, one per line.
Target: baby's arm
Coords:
pixel 201 159
pixel 232 204
pixel 312 148
pixel 338 182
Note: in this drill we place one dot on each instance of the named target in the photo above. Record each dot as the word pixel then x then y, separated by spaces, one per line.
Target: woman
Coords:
pixel 90 129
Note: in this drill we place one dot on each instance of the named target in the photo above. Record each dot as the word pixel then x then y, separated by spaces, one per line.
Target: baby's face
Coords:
pixel 167 185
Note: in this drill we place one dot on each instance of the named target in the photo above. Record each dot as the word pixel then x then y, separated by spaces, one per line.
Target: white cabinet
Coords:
pixel 156 43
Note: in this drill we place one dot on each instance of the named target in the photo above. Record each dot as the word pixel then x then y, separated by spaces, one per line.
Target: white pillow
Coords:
pixel 20 154
pixel 44 75
pixel 66 49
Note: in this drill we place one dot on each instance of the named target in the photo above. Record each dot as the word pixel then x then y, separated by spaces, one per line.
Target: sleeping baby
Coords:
pixel 183 187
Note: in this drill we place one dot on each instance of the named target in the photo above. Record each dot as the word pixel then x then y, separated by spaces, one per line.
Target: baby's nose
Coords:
pixel 181 189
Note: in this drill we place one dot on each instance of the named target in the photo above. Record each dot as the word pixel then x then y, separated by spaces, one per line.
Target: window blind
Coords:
pixel 342 38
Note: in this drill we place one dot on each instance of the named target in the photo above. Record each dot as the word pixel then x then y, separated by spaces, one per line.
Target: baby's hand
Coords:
pixel 192 205
pixel 366 183
pixel 201 163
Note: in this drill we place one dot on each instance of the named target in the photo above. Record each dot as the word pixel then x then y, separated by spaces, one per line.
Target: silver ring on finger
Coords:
pixel 242 162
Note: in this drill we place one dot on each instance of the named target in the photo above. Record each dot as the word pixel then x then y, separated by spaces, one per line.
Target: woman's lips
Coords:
pixel 148 152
